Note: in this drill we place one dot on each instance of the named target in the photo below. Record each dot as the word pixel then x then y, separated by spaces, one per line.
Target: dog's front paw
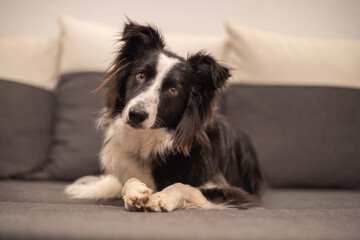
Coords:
pixel 136 195
pixel 159 202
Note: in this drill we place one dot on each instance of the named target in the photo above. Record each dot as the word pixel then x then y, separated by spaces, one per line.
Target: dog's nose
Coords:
pixel 137 115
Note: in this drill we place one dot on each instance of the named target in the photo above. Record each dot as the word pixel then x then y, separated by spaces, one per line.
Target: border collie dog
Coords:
pixel 165 148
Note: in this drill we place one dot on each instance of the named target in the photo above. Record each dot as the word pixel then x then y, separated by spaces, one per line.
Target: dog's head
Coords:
pixel 150 87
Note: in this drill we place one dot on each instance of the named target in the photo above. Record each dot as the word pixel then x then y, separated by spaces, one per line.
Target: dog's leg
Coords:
pixel 138 197
pixel 178 196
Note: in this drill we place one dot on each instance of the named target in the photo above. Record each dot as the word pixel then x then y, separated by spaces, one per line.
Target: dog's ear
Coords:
pixel 208 78
pixel 208 71
pixel 139 38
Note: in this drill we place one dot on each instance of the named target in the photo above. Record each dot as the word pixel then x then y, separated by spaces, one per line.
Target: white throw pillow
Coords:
pixel 263 58
pixel 31 61
pixel 88 46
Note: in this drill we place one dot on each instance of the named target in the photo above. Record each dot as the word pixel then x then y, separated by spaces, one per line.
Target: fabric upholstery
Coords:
pixel 304 136
pixel 25 127
pixel 30 210
pixel 76 142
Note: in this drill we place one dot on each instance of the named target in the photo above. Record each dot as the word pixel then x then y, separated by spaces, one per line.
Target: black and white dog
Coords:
pixel 165 147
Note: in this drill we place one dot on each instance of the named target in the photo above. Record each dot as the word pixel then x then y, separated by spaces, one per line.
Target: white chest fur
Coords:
pixel 127 152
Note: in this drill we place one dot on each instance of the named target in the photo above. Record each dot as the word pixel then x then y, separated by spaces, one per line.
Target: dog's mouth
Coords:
pixel 135 125
pixel 140 126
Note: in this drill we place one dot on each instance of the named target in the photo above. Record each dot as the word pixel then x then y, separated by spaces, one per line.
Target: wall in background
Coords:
pixel 320 18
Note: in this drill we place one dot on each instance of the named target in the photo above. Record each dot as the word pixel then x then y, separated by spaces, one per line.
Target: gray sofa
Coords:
pixel 32 209
pixel 306 132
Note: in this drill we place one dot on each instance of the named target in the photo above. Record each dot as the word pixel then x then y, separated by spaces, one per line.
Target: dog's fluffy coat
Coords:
pixel 162 133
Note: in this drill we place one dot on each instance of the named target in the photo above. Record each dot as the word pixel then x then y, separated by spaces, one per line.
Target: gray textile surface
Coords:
pixel 25 127
pixel 76 141
pixel 40 210
pixel 304 136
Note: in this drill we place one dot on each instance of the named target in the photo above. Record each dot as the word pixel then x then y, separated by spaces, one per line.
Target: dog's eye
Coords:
pixel 141 77
pixel 173 91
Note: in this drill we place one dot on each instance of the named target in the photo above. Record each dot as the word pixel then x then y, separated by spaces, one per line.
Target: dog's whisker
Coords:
pixel 160 123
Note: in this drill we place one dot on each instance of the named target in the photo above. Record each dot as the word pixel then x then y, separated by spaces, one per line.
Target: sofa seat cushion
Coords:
pixel 40 210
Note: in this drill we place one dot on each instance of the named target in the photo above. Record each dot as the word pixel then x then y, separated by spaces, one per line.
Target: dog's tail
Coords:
pixel 91 187
pixel 233 197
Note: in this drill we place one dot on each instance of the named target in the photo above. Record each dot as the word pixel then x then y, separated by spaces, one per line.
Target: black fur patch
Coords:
pixel 231 196
pixel 231 154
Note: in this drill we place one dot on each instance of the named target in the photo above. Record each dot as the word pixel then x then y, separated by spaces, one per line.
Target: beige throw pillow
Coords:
pixel 267 58
pixel 30 60
pixel 89 46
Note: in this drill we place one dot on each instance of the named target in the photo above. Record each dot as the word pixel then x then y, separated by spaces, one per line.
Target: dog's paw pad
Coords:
pixel 144 200
pixel 156 204
pixel 135 203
